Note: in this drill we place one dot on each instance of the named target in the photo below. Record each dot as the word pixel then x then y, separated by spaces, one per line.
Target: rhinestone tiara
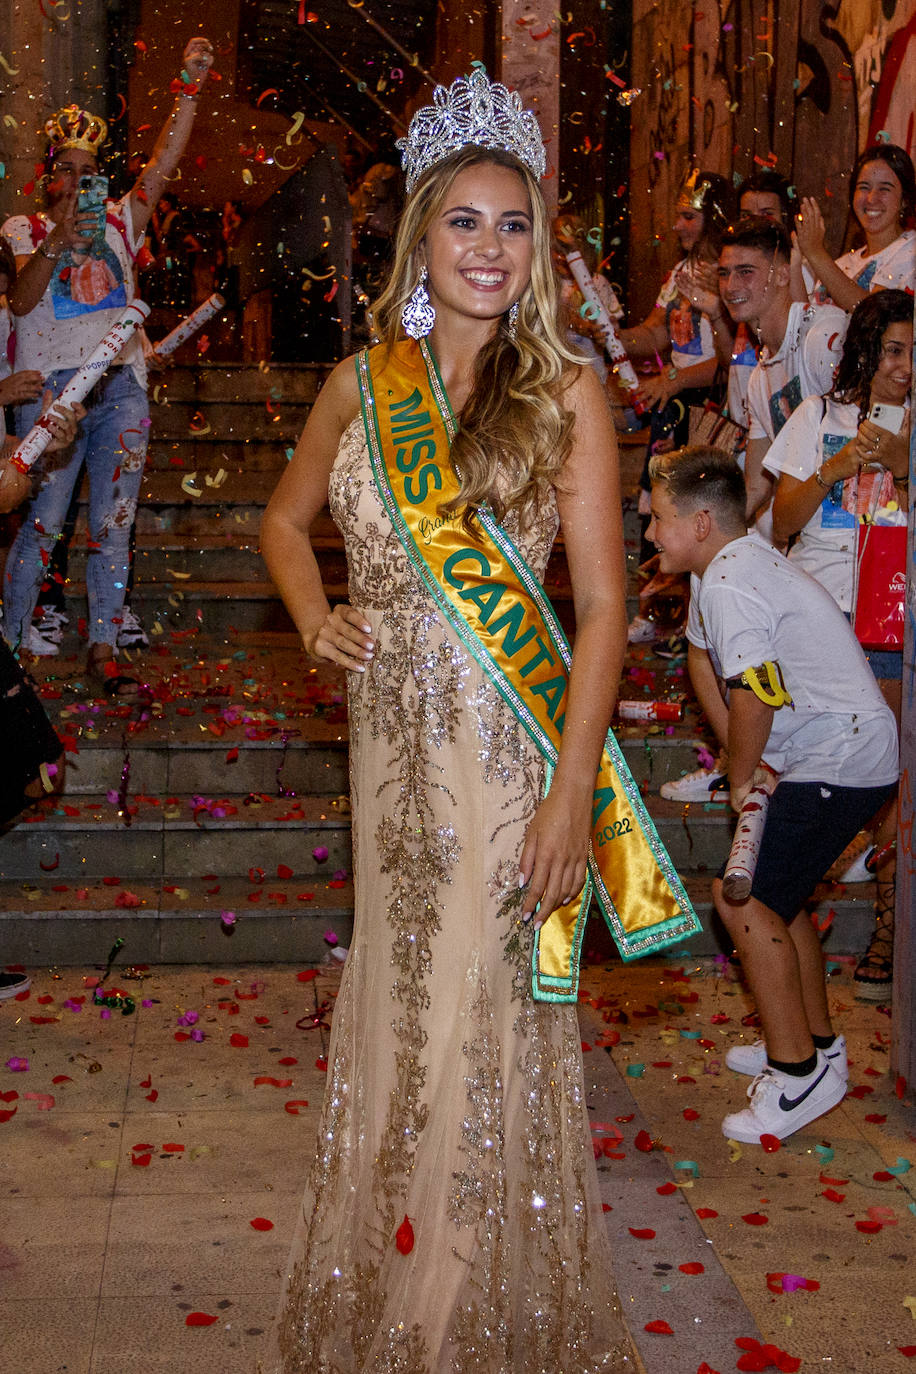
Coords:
pixel 473 110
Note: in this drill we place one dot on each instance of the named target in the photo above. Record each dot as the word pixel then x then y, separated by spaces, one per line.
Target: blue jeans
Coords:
pixel 112 441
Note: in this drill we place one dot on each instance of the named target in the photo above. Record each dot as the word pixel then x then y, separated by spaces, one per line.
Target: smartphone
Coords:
pixel 91 198
pixel 887 417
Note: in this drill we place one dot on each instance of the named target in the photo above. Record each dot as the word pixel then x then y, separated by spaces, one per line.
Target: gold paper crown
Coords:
pixel 72 127
pixel 694 191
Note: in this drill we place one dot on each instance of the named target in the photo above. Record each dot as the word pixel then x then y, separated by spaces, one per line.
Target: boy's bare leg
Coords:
pixel 770 960
pixel 811 972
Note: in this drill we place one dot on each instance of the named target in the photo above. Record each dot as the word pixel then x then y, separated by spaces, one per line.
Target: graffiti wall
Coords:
pixel 728 85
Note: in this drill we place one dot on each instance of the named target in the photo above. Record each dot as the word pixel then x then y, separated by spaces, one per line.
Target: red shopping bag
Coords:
pixel 878 614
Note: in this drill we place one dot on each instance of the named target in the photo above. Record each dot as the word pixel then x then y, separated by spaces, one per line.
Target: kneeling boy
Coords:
pixel 803 700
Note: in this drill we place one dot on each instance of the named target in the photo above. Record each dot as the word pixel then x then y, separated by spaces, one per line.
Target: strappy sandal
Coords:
pixel 874 976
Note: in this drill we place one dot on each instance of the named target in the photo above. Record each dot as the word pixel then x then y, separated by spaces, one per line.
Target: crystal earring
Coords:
pixel 418 316
pixel 512 321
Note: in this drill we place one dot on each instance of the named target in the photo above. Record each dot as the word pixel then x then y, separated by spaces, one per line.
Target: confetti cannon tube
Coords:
pixel 196 320
pixel 742 861
pixel 612 343
pixel 82 382
pixel 650 710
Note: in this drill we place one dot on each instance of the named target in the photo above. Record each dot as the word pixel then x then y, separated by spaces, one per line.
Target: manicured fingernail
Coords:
pixel 521 880
pixel 538 924
pixel 527 917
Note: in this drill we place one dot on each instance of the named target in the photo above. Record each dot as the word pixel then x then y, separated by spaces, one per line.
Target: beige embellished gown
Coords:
pixel 453 1098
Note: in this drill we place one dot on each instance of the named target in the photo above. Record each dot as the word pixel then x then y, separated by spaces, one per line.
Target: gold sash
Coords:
pixel 497 606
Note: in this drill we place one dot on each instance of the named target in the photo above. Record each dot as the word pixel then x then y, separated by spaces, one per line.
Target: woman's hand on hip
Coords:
pixel 344 637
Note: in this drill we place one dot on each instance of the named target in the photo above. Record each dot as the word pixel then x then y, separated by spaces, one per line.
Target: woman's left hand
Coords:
pixel 553 863
pixel 877 445
pixel 198 59
pixel 61 420
pixel 656 391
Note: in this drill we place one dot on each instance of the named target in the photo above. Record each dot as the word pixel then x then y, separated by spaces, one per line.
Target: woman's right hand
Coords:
pixel 344 637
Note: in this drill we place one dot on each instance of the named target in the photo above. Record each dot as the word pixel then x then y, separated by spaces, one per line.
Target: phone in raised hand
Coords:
pixel 91 198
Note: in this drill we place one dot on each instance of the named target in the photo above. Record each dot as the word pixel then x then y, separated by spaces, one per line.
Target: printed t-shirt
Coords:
pixel 826 545
pixel 689 329
pixel 894 266
pixel 82 300
pixel 753 607
pixel 803 366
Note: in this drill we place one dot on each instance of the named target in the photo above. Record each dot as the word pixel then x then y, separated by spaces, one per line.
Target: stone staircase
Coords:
pixel 212 825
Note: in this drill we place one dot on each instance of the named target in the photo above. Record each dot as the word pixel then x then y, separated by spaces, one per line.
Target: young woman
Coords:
pixel 882 197
pixel 451 1217
pixel 833 467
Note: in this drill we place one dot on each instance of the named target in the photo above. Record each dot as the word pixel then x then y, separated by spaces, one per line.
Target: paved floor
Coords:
pixel 151 1165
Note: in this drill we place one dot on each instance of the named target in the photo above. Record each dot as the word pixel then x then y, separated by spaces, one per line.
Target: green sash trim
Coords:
pixel 415 427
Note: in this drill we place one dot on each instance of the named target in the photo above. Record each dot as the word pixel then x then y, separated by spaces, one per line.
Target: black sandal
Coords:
pixel 874 976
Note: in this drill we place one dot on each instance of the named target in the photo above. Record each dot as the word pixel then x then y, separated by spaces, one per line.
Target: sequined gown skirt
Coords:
pixel 454 1101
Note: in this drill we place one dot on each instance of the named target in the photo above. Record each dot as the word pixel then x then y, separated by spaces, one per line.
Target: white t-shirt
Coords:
pixel 689 329
pixel 803 366
pixel 81 302
pixel 755 607
pixel 893 266
pixel 826 545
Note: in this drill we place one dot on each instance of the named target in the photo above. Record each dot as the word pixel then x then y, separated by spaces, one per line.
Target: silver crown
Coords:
pixel 473 110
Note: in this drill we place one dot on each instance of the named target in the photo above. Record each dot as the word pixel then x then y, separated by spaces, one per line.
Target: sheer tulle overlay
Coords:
pixel 454 1100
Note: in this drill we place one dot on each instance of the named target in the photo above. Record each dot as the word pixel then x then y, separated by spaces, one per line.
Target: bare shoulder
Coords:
pixel 340 394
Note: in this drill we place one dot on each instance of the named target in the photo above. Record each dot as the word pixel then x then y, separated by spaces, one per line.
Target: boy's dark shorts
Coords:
pixel 808 826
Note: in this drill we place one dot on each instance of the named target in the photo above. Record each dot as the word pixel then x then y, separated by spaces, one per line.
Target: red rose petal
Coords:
pixel 404 1238
pixel 239 1041
pixel 274 1082
pixel 293 1106
pixel 261 1224
pixel 173 1149
pixel 659 1328
pixel 771 1143
pixel 667 1189
pixel 321 1063
pixel 306 975
pixel 882 1176
pixel 869 1228
pixel 62 1078
pixel 908 1350
pixel 10 1096
pixel 832 1195
pixel 141 1161
pixel 704 1213
pixel 288 1059
pixel 900 1085
pixel 283 871
pixel 755 1218
pixel 643 1141
pixel 694 1267
pixel 876 1119
pixel 690 1114
pixel 641 1232
pixel 199 1319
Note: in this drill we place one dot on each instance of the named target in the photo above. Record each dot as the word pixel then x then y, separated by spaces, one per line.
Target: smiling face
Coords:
pixel 674 533
pixel 478 249
pixel 891 382
pixel 877 202
pixel 747 277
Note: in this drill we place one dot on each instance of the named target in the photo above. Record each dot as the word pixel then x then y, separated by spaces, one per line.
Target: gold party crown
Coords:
pixel 72 127
pixel 692 193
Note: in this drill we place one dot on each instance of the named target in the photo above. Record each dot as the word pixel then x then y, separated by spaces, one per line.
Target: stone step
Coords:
pixel 182 833
pixel 178 920
pixel 175 922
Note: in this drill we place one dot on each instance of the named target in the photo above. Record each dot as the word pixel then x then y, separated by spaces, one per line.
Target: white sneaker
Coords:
pixel 857 872
pixel 781 1104
pixel 131 635
pixel 52 624
pixel 40 644
pixel 702 785
pixel 642 631
pixel 752 1059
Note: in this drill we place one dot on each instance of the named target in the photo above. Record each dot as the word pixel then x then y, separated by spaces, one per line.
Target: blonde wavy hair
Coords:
pixel 514 432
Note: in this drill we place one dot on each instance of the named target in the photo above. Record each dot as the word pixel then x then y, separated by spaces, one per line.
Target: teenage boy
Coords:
pixel 807 705
pixel 800 345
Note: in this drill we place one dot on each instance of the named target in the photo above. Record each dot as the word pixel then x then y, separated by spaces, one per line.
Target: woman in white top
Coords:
pixel 882 196
pixel 833 465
